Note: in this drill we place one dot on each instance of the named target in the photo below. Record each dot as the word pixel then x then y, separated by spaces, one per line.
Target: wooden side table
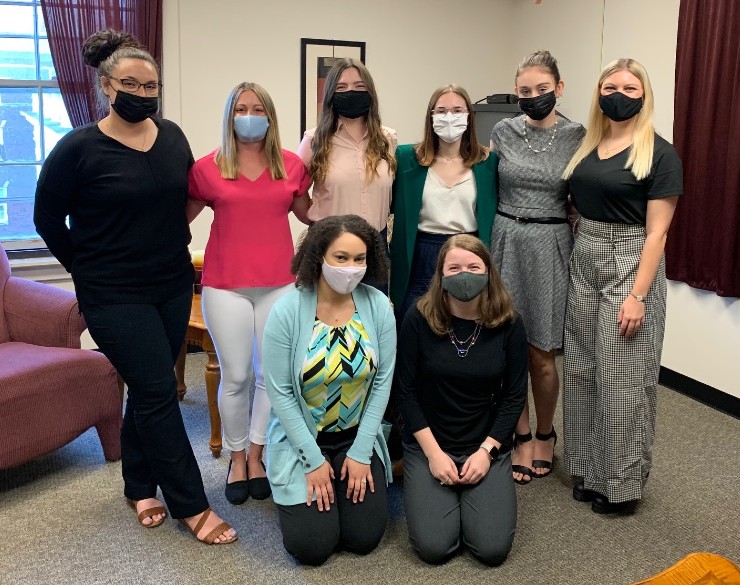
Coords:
pixel 198 335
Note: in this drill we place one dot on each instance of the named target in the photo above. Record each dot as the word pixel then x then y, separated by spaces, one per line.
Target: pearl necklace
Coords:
pixel 529 146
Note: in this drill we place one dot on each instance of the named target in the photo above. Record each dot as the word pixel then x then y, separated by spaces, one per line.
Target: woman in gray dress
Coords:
pixel 531 242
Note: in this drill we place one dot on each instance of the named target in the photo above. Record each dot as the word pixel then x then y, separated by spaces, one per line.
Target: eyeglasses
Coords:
pixel 151 88
pixel 456 110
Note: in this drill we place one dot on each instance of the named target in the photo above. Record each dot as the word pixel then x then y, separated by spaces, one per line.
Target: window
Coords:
pixel 32 117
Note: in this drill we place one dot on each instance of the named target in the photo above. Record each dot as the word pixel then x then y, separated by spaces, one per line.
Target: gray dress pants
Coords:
pixel 441 518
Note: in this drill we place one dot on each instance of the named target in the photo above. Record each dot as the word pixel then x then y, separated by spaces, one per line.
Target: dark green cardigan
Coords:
pixel 406 206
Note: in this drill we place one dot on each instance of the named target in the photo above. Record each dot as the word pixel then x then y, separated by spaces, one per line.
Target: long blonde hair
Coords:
pixel 496 306
pixel 227 157
pixel 470 151
pixel 378 146
pixel 640 159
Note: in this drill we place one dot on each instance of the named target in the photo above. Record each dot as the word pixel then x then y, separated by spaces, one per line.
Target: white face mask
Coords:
pixel 343 279
pixel 449 127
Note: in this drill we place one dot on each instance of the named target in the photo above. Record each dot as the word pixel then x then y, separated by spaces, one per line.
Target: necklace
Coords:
pixel 113 135
pixel 449 160
pixel 529 146
pixel 607 150
pixel 460 346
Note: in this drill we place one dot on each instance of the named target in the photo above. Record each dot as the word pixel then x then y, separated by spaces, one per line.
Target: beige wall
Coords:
pixel 211 46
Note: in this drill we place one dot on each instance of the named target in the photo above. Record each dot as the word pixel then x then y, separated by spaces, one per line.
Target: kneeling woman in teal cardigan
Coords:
pixel 329 353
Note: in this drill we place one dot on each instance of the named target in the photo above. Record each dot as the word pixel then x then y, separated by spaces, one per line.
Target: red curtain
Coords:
pixel 70 22
pixel 703 248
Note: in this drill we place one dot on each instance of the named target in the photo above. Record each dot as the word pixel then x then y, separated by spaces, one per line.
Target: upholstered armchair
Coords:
pixel 51 391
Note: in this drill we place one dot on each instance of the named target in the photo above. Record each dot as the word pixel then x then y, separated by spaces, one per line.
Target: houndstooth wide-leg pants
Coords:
pixel 610 381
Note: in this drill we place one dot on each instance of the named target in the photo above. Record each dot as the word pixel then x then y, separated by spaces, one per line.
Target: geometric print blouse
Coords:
pixel 337 374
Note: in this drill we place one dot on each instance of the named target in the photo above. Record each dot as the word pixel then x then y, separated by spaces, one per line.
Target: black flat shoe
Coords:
pixel 601 505
pixel 236 492
pixel 541 462
pixel 581 494
pixel 523 469
pixel 259 487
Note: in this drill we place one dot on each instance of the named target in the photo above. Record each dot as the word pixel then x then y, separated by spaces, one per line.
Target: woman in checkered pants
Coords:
pixel 625 181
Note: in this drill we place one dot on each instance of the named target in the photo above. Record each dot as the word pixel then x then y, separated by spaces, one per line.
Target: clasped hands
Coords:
pixel 320 483
pixel 444 469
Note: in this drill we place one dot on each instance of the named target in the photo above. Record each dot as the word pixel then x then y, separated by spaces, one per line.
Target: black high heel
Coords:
pixel 523 469
pixel 236 492
pixel 541 462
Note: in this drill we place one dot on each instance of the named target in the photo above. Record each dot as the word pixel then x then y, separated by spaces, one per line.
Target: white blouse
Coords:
pixel 448 210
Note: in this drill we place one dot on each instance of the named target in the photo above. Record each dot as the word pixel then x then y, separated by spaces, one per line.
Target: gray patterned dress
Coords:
pixel 533 258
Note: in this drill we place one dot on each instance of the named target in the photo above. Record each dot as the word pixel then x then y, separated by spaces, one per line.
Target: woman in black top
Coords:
pixel 461 373
pixel 625 181
pixel 123 184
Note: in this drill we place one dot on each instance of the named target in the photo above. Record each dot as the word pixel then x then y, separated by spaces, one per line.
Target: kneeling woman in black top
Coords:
pixel 462 380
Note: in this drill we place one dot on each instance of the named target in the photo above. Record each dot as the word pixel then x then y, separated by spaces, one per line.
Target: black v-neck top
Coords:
pixel 462 400
pixel 603 190
pixel 128 233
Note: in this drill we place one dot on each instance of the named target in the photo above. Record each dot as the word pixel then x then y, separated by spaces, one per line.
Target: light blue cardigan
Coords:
pixel 291 447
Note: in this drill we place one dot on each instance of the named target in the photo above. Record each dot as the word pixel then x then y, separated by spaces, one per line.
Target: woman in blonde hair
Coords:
pixel 532 229
pixel 461 374
pixel 625 181
pixel 252 185
pixel 350 154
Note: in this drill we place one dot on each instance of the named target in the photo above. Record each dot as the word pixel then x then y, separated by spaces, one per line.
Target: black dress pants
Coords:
pixel 312 536
pixel 142 342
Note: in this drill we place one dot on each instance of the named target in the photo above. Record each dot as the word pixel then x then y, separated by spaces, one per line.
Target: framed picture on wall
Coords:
pixel 318 56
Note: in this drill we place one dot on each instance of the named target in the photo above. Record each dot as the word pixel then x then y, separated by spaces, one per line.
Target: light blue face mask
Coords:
pixel 250 128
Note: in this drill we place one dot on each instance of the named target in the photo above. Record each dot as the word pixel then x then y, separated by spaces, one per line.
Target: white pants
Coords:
pixel 235 319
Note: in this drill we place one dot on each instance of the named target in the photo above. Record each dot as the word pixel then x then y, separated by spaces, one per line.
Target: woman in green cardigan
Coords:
pixel 445 185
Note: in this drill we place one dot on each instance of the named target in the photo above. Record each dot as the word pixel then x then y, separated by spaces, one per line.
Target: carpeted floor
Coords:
pixel 64 520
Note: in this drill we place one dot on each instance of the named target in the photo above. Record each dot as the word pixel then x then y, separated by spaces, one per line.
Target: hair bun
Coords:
pixel 104 43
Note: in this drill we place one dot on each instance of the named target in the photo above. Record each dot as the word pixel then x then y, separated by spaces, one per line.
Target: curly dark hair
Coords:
pixel 101 45
pixel 316 240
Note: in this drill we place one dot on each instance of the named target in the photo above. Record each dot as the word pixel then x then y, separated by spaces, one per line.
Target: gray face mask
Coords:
pixel 465 286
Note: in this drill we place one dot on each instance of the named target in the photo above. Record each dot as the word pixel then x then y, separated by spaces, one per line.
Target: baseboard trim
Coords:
pixel 702 392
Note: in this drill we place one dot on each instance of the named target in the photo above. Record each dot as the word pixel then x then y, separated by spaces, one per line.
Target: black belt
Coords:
pixel 533 219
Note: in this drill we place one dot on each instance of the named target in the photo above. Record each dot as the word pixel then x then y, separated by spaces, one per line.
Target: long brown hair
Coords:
pixel 470 150
pixel 496 306
pixel 378 146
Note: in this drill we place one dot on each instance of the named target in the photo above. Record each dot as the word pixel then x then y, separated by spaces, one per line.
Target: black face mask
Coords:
pixel 619 107
pixel 134 108
pixel 539 107
pixel 352 104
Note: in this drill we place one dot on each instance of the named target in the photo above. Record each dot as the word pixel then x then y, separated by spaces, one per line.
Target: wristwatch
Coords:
pixel 640 298
pixel 492 450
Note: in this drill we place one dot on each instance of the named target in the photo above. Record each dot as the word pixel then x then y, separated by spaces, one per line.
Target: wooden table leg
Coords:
pixel 213 378
pixel 180 372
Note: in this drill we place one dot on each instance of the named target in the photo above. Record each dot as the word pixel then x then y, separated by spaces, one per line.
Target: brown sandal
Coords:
pixel 211 537
pixel 149 513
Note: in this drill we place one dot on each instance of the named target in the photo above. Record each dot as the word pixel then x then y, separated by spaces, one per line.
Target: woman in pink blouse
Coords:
pixel 350 155
pixel 252 185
